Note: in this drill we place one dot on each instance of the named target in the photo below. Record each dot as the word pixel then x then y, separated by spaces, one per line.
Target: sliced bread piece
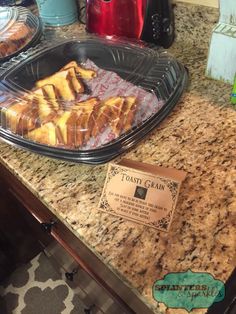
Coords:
pixel 129 109
pixel 66 84
pixel 51 95
pixel 86 114
pixel 46 111
pixel 66 128
pixel 86 74
pixel 21 117
pixel 46 134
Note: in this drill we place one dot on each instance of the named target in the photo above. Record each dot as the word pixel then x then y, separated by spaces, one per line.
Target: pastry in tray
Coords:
pixel 17 37
pixel 46 111
pixel 46 134
pixel 129 110
pixel 65 82
pixel 119 111
pixel 51 96
pixel 86 115
pixel 87 119
pixel 52 115
pixel 83 73
pixel 110 109
pixel 21 117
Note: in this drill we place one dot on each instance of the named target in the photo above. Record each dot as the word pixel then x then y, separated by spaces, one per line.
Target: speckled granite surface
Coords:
pixel 199 137
pixel 194 23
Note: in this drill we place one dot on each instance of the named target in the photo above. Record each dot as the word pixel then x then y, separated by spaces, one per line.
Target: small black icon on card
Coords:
pixel 140 192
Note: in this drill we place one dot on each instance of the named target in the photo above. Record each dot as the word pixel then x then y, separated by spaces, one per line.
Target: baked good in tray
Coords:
pixel 15 39
pixel 59 113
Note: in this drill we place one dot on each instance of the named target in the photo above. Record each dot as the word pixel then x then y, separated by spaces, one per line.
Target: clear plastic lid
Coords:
pixel 89 99
pixel 18 29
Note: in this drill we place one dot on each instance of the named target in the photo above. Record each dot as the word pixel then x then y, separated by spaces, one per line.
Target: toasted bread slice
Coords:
pixel 13 115
pixel 45 108
pixel 102 118
pixel 46 134
pixel 86 74
pixel 21 117
pixel 129 110
pixel 61 83
pixel 65 82
pixel 51 95
pixel 86 113
pixel 66 128
pixel 61 124
pixel 76 82
pixel 109 113
pixel 117 105
pixel 29 120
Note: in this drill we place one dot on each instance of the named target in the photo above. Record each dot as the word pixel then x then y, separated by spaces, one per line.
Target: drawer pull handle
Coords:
pixel 47 226
pixel 89 310
pixel 70 276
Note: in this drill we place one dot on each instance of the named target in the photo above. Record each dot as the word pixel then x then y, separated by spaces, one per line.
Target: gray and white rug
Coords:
pixel 37 288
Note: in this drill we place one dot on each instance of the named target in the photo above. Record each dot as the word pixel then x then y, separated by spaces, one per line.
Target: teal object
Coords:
pixel 57 12
pixel 233 95
pixel 189 290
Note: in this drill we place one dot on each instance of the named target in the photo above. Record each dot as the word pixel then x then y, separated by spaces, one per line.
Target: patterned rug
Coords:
pixel 37 288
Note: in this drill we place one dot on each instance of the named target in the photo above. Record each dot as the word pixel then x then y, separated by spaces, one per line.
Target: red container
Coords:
pixel 148 20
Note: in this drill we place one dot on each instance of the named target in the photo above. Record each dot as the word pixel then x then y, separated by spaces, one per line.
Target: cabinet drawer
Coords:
pixel 83 256
pixel 91 294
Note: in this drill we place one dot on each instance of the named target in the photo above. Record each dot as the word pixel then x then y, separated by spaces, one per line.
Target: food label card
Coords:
pixel 142 193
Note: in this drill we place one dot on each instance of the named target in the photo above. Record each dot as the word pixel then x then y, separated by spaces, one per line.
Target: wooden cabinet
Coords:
pixel 55 229
pixel 18 241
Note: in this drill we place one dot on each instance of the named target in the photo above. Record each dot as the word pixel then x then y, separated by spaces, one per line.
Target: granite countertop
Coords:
pixel 199 137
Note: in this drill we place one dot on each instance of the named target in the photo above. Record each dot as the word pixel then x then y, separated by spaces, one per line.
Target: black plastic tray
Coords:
pixel 154 71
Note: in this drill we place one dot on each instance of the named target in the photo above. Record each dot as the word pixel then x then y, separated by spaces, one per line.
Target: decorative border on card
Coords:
pixel 162 224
